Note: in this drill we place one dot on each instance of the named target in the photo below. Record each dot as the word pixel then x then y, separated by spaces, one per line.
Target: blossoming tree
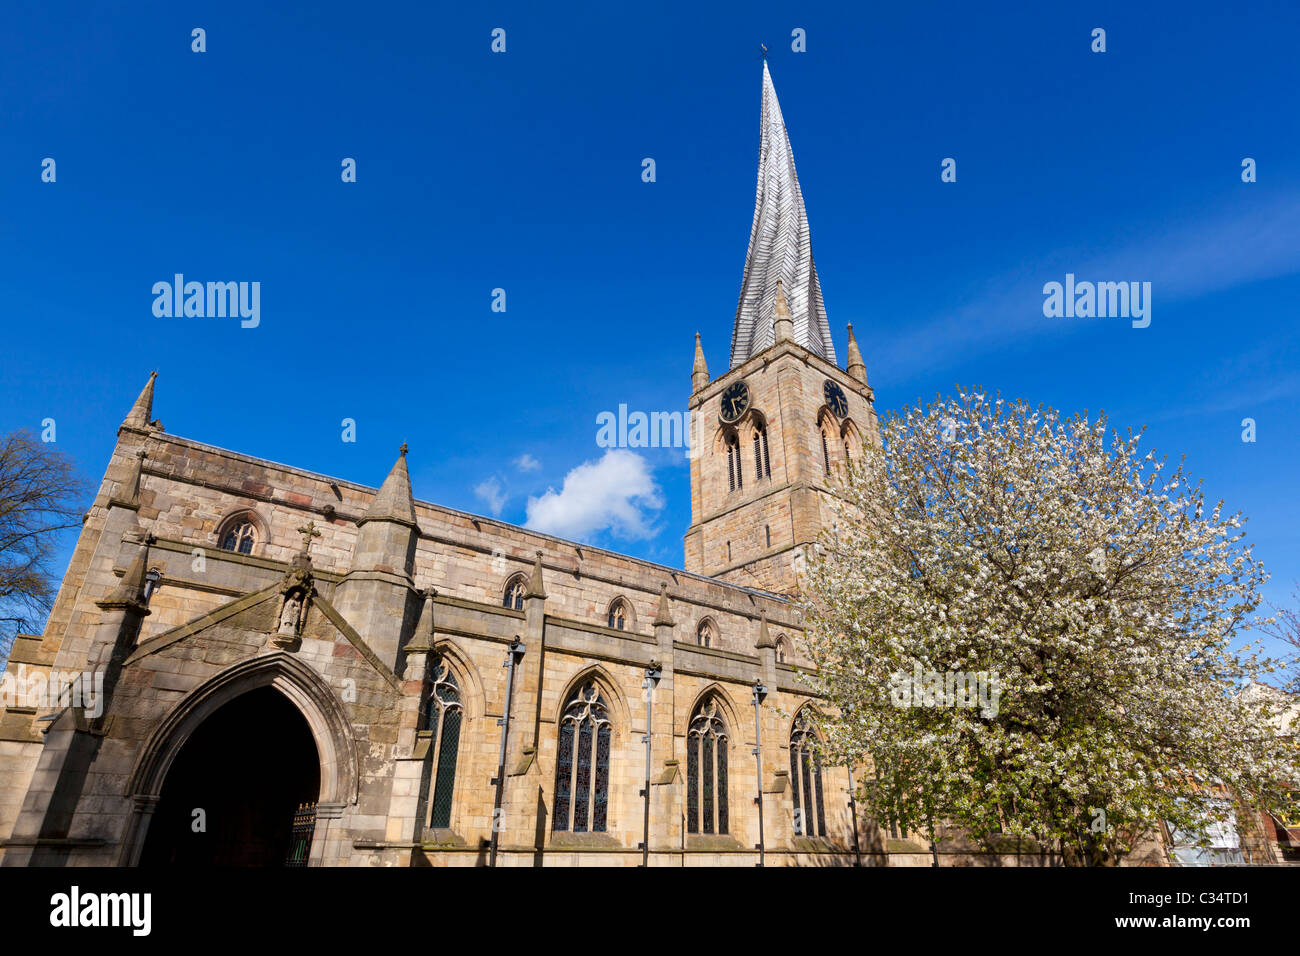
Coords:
pixel 1089 584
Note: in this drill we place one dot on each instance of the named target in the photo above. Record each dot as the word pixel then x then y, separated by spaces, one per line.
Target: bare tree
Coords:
pixel 1285 627
pixel 40 497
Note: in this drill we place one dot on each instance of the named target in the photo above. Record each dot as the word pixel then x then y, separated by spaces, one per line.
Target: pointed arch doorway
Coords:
pixel 244 772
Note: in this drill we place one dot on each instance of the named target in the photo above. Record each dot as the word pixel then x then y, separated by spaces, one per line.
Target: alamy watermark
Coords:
pixel 624 429
pixel 75 909
pixel 931 688
pixel 1121 300
pixel 213 300
pixel 38 690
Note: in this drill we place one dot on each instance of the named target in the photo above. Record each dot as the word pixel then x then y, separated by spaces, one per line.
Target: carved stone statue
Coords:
pixel 290 614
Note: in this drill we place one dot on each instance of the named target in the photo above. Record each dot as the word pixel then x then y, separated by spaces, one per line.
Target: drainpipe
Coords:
pixel 652 675
pixel 513 656
pixel 760 692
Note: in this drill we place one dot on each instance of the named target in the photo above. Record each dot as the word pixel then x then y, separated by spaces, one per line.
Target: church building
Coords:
pixel 284 668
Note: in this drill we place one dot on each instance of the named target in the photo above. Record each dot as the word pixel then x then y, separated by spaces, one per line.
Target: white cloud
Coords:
pixel 527 462
pixel 490 491
pixel 613 494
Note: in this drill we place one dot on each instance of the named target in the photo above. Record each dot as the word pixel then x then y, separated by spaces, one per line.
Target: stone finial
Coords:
pixel 300 565
pixel 782 323
pixel 856 368
pixel 535 587
pixel 764 638
pixel 308 531
pixel 426 620
pixel 394 502
pixel 423 639
pixel 700 370
pixel 130 590
pixel 128 495
pixel 663 617
pixel 142 411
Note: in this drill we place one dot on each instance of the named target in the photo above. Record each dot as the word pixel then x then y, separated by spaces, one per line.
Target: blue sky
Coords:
pixel 522 171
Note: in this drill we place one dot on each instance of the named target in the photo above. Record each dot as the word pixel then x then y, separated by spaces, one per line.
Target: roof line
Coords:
pixel 329 479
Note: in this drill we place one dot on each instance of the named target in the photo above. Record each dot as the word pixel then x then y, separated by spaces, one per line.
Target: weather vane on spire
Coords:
pixel 763 47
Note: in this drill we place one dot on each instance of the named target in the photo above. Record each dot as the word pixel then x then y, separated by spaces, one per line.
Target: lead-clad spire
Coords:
pixel 779 249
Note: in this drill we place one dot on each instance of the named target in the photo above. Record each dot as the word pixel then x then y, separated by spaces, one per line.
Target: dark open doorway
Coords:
pixel 248 768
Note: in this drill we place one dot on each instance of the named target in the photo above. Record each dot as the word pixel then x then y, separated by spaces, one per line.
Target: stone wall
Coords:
pixel 210 632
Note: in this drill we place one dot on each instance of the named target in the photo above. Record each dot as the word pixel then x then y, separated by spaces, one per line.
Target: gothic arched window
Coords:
pixel 706 771
pixel 780 650
pixel 849 434
pixel 734 478
pixel 516 588
pixel 444 715
pixel 762 463
pixel 806 779
pixel 238 534
pixel 618 615
pixel 582 764
pixel 826 452
pixel 706 634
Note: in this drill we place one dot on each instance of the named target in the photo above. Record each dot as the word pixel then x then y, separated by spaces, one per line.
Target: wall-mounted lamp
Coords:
pixel 151 579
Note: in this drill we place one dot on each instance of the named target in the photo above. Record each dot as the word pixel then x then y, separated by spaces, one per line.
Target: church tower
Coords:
pixel 778 425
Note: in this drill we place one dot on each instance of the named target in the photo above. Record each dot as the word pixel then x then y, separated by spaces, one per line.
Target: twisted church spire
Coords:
pixel 780 250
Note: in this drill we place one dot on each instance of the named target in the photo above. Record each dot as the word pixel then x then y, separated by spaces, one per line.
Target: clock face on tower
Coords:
pixel 735 402
pixel 835 399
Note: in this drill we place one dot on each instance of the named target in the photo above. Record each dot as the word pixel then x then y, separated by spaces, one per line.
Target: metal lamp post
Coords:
pixel 760 692
pixel 853 809
pixel 513 656
pixel 653 674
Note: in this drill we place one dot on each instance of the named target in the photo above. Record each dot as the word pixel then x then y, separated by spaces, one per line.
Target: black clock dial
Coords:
pixel 835 399
pixel 735 401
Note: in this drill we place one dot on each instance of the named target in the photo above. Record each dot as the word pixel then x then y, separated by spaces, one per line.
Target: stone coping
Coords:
pixel 26 649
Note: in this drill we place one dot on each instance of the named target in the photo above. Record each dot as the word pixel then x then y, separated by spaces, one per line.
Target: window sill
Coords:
pixel 563 839
pixel 436 838
pixel 811 844
pixel 904 846
pixel 712 841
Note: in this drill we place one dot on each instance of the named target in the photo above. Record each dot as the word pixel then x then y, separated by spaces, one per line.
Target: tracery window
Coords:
pixel 706 771
pixel 618 615
pixel 515 591
pixel 239 535
pixel 582 764
pixel 444 715
pixel 806 779
pixel 762 463
pixel 780 650
pixel 706 634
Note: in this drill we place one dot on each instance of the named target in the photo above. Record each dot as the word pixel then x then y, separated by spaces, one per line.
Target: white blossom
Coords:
pixel 1092 579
